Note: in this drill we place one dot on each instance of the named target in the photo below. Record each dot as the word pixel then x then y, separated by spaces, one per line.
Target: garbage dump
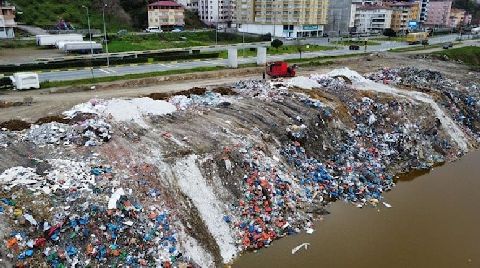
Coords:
pixel 195 180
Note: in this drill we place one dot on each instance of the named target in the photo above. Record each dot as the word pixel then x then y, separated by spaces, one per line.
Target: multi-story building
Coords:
pixel 217 12
pixel 459 17
pixel 7 20
pixel 439 13
pixel 165 14
pixel 282 18
pixel 405 15
pixel 424 11
pixel 372 18
pixel 339 14
pixel 189 4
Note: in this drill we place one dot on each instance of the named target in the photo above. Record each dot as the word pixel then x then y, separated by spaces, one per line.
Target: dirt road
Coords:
pixel 47 103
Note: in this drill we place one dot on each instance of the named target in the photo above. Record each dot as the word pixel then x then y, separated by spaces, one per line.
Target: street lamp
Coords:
pixel 105 35
pixel 91 44
pixel 89 30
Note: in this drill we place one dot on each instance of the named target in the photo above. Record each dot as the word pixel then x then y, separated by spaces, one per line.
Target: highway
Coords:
pixel 75 74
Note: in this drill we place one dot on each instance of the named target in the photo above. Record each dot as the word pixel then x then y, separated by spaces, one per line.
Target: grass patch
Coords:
pixel 469 55
pixel 175 40
pixel 88 81
pixel 359 42
pixel 317 61
pixel 394 39
pixel 290 49
pixel 414 48
pixel 17 43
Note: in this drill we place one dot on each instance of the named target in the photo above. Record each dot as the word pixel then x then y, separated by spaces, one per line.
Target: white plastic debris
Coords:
pixel 297 248
pixel 112 202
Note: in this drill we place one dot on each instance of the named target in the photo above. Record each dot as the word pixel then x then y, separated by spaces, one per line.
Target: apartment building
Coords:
pixel 339 14
pixel 283 18
pixel 405 15
pixel 165 14
pixel 189 4
pixel 439 13
pixel 217 12
pixel 372 18
pixel 7 20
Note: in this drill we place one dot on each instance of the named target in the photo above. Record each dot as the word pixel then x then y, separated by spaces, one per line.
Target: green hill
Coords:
pixel 120 14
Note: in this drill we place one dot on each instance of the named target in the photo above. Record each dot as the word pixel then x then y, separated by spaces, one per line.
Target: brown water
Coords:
pixel 434 222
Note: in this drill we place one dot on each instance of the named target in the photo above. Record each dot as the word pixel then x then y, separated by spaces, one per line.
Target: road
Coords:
pixel 167 66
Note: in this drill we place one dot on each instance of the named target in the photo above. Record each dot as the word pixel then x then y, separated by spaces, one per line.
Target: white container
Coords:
pixel 26 80
pixel 52 39
pixel 83 47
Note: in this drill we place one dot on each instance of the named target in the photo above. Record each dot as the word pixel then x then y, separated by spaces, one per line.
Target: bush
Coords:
pixel 6 83
pixel 389 32
pixel 277 43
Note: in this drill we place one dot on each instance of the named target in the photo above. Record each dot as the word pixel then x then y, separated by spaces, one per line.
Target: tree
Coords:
pixel 299 47
pixel 389 32
pixel 277 43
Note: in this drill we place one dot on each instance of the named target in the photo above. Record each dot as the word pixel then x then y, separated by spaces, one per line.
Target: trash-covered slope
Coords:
pixel 197 179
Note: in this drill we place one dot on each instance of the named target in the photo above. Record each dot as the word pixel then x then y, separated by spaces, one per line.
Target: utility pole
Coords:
pixel 91 44
pixel 216 24
pixel 105 35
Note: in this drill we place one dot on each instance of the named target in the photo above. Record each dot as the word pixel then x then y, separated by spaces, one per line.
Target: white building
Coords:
pixel 7 21
pixel 189 4
pixel 372 19
pixel 217 12
pixel 282 18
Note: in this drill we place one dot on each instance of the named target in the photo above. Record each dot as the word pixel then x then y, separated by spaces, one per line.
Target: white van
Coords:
pixel 154 30
pixel 25 80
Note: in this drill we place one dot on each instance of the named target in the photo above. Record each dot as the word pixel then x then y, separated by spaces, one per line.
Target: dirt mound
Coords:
pixel 227 91
pixel 15 125
pixel 52 118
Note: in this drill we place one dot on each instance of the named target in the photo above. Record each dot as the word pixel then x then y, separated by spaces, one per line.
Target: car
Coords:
pixel 290 38
pixel 354 47
pixel 154 30
pixel 447 45
pixel 176 30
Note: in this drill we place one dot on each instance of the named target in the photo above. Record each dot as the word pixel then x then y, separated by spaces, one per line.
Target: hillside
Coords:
pixel 120 14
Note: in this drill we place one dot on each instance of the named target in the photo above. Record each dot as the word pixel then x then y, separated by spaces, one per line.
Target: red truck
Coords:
pixel 280 69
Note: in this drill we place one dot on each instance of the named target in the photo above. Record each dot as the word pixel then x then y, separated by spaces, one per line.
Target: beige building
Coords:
pixel 403 13
pixel 283 18
pixel 165 14
pixel 459 18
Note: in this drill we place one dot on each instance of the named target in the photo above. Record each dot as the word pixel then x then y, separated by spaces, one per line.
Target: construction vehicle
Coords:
pixel 281 69
pixel 417 38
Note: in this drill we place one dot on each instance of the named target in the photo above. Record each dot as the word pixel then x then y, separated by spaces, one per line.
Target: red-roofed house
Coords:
pixel 165 14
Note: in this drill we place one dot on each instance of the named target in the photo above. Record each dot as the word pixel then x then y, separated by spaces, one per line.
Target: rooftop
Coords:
pixel 164 4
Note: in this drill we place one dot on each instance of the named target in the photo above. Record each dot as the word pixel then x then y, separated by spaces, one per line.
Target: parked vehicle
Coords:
pixel 447 45
pixel 280 69
pixel 476 30
pixel 154 30
pixel 417 38
pixel 25 80
pixel 176 30
pixel 354 47
pixel 52 39
pixel 83 48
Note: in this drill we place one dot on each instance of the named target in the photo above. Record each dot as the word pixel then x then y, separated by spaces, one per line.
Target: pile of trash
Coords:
pixel 182 102
pixel 88 223
pixel 201 185
pixel 461 99
pixel 90 132
pixel 267 90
